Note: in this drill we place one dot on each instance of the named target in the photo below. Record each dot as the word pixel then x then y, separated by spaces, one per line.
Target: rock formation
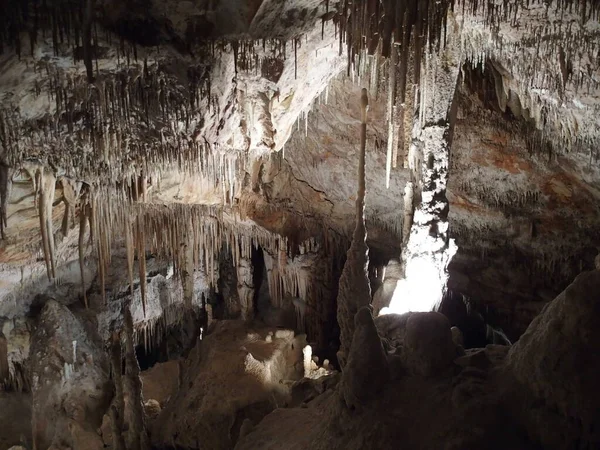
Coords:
pixel 494 397
pixel 69 376
pixel 354 289
pixel 184 260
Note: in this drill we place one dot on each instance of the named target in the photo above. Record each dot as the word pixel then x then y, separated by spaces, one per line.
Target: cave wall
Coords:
pixel 525 221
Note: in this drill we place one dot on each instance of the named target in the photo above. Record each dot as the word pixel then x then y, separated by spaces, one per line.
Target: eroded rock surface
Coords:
pixel 234 374
pixel 70 381
pixel 477 402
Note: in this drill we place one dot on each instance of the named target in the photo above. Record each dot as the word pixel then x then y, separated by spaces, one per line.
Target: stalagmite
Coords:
pixel 354 288
pixel 367 370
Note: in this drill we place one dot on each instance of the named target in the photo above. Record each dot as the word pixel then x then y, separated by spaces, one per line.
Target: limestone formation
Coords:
pixel 5 190
pixel 134 426
pixel 354 288
pixel 366 370
pixel 208 152
pixel 245 288
pixel 69 375
pixel 556 360
pixel 428 345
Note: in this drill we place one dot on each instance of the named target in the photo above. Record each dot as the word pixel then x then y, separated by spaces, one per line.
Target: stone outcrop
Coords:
pixel 367 369
pixel 539 393
pixel 557 361
pixel 234 373
pixel 428 346
pixel 70 381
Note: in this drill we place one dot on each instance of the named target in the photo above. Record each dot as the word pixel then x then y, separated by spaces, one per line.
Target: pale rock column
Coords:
pixel 428 249
pixel 245 288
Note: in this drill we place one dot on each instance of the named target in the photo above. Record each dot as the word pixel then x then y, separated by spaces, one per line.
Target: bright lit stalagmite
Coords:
pixel 354 287
pixel 428 248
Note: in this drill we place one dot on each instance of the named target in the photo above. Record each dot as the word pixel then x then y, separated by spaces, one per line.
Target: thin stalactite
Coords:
pixel 5 190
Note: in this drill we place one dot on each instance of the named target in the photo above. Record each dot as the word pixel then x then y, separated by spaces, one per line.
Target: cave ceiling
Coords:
pixel 157 119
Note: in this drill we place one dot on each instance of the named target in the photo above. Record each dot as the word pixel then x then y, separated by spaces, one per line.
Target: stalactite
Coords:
pixel 87 39
pixel 390 112
pixel 70 195
pixel 5 190
pixel 354 288
pixel 130 250
pixel 46 183
pixel 84 213
pixel 141 248
pixel 187 278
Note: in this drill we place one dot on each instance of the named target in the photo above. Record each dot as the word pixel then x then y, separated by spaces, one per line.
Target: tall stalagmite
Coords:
pixel 354 288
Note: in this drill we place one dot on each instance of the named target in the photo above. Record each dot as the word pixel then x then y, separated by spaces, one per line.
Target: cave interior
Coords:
pixel 299 224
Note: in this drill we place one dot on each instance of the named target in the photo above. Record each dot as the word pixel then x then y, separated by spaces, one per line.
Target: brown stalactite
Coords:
pixel 5 189
pixel 141 248
pixel 46 182
pixel 83 218
pixel 130 249
pixel 69 199
pixel 87 39
pixel 354 287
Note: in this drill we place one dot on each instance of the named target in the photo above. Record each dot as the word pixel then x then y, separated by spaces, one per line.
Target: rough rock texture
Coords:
pixel 161 382
pixel 428 346
pixel 529 397
pixel 182 109
pixel 557 360
pixel 15 414
pixel 384 293
pixel 70 388
pixel 354 290
pixel 366 370
pixel 233 374
pixel 524 217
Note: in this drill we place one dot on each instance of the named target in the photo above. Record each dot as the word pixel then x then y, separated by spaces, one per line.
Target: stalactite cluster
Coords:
pixel 126 121
pixel 569 45
pixel 405 32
